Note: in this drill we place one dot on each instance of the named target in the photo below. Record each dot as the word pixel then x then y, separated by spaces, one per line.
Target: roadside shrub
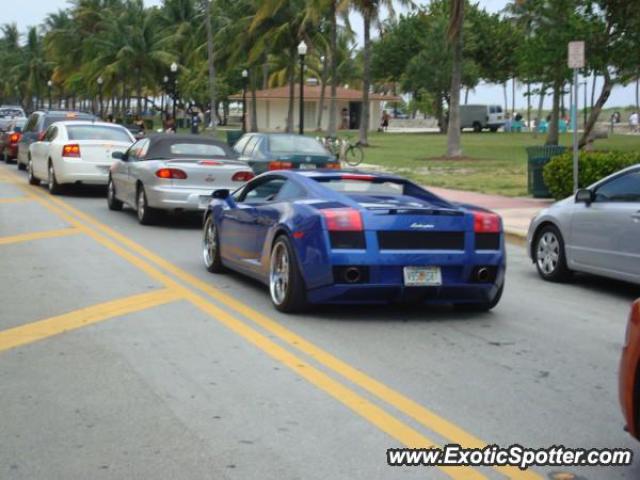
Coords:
pixel 592 166
pixel 148 123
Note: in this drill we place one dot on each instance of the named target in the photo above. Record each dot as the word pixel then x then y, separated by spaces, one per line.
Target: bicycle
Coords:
pixel 350 153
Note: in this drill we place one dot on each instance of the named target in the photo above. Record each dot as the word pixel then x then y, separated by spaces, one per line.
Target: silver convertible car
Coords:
pixel 172 172
pixel 596 231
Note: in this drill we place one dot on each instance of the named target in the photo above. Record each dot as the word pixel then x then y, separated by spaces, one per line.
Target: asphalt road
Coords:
pixel 121 357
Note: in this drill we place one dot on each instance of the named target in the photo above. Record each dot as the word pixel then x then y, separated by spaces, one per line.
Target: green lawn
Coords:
pixel 494 162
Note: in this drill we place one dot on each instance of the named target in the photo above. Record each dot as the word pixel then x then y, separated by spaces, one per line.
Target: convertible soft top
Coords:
pixel 160 145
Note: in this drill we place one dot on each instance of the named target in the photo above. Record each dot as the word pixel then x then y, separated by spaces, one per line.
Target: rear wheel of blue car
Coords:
pixel 482 306
pixel 286 284
pixel 211 247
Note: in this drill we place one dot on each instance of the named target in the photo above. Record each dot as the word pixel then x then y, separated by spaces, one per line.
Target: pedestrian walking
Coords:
pixel 195 122
pixel 169 125
pixel 633 122
pixel 384 123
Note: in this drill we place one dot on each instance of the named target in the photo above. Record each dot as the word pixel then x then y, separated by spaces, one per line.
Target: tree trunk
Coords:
pixel 212 67
pixel 453 132
pixel 265 74
pixel 333 103
pixel 254 103
pixel 597 108
pixel 543 92
pixel 440 114
pixel 638 94
pixel 506 100
pixel 563 110
pixel 292 91
pixel 323 89
pixel 139 88
pixel 552 136
pixel 366 80
pixel 593 89
pixel 466 96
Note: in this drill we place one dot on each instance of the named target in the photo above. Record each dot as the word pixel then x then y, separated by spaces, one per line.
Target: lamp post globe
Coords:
pixel 302 51
pixel 49 84
pixel 100 81
pixel 245 78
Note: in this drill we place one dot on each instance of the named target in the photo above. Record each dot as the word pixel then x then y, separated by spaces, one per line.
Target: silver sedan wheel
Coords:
pixel 279 274
pixel 141 204
pixel 548 253
pixel 209 243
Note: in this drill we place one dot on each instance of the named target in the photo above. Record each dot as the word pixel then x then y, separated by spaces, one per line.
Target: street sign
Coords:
pixel 576 55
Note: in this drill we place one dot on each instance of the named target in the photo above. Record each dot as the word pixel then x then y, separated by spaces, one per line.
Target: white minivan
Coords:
pixel 481 117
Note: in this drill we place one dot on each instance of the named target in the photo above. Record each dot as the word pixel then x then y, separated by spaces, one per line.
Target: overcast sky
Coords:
pixel 32 12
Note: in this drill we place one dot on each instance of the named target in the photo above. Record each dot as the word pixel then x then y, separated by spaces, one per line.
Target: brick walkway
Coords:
pixel 516 212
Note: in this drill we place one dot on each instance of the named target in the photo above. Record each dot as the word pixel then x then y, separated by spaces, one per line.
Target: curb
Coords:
pixel 515 238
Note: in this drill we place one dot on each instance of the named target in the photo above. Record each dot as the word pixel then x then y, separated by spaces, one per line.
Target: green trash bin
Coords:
pixel 233 136
pixel 538 157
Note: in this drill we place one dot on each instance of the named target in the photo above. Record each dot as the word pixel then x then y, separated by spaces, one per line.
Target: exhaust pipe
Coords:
pixel 483 274
pixel 352 275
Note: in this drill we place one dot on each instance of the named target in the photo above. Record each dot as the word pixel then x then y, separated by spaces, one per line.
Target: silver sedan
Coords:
pixel 596 231
pixel 172 172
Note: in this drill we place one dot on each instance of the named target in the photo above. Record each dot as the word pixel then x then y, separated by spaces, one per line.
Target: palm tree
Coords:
pixel 370 11
pixel 456 21
pixel 282 25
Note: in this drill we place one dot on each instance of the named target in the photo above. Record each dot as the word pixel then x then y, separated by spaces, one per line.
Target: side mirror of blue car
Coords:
pixel 221 194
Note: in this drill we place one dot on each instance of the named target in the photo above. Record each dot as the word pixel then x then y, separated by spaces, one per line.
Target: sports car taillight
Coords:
pixel 345 228
pixel 71 150
pixel 485 222
pixel 14 138
pixel 242 176
pixel 333 166
pixel 171 173
pixel 343 219
pixel 279 165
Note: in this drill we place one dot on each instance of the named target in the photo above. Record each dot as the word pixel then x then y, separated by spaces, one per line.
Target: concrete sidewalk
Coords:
pixel 516 212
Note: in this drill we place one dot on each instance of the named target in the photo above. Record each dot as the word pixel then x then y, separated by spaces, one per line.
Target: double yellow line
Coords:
pixel 406 435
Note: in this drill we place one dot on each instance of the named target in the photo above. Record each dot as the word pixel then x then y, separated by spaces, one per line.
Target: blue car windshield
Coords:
pixel 279 144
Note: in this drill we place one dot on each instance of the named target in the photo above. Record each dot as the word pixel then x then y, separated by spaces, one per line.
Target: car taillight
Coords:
pixel 343 219
pixel 345 228
pixel 242 176
pixel 14 138
pixel 358 176
pixel 333 166
pixel 41 136
pixel 279 165
pixel 71 150
pixel 485 222
pixel 171 173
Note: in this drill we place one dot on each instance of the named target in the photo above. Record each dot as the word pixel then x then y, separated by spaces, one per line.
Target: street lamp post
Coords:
pixel 100 82
pixel 165 80
pixel 174 71
pixel 49 84
pixel 302 51
pixel 245 77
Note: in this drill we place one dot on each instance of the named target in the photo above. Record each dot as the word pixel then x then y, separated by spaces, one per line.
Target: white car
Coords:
pixel 76 152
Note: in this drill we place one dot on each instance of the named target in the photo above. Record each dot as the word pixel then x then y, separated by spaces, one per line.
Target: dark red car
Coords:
pixel 10 138
pixel 630 373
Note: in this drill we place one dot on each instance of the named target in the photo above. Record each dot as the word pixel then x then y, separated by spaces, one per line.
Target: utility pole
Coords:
pixel 206 4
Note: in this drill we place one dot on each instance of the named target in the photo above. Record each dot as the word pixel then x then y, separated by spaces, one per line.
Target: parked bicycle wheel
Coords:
pixel 354 155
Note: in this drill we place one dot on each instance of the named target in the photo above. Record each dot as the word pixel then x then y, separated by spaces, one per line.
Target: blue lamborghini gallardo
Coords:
pixel 349 237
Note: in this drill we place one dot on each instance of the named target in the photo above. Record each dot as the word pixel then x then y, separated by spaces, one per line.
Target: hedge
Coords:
pixel 593 166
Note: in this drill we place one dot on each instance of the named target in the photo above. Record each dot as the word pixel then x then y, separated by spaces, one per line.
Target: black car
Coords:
pixel 37 125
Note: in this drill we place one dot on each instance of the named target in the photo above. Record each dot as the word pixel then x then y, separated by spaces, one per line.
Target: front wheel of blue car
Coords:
pixel 211 247
pixel 286 284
